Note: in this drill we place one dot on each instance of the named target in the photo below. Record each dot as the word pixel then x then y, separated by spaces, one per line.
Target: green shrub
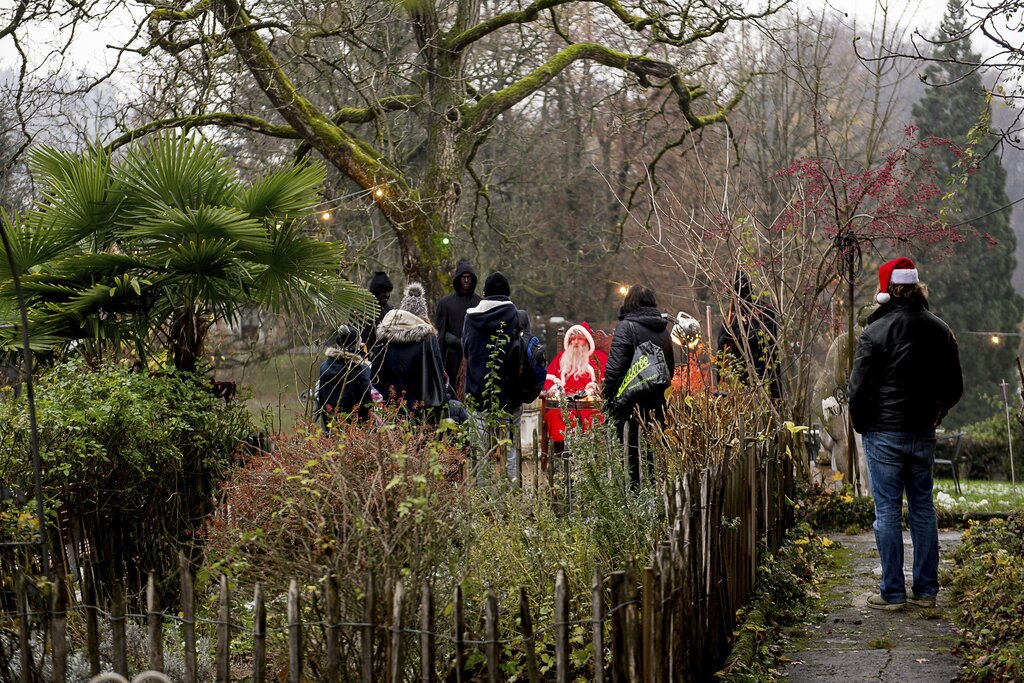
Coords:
pixel 130 461
pixel 985 447
pixel 786 590
pixel 987 584
pixel 826 509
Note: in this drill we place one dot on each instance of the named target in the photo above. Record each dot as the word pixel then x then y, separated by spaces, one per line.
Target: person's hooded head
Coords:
pixel 741 285
pixel 381 286
pixel 464 278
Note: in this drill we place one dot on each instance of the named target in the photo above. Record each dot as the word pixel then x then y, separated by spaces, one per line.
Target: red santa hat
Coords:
pixel 583 329
pixel 899 271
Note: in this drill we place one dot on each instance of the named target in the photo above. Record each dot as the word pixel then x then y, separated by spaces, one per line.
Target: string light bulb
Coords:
pixel 325 216
pixel 995 339
pixel 379 192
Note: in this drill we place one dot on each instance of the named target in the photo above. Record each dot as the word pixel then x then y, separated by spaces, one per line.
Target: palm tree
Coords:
pixel 150 249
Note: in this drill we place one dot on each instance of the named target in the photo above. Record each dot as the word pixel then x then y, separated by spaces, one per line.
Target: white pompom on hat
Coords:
pixel 899 271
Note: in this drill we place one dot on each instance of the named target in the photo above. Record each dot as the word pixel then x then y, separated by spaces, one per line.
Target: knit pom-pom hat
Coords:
pixel 414 302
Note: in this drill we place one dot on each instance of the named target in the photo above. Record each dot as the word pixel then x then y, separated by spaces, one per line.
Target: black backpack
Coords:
pixel 528 366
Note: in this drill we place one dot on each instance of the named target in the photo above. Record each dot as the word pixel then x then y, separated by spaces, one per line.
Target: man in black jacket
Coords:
pixel 488 332
pixel 906 377
pixel 450 315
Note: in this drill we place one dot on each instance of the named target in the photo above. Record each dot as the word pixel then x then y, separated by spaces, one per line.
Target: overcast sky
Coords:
pixel 90 45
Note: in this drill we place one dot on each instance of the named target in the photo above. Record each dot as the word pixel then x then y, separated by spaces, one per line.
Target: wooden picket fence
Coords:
pixel 670 620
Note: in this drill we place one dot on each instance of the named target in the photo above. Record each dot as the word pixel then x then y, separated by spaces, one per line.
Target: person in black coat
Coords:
pixel 639 321
pixel 407 358
pixel 487 335
pixel 448 319
pixel 750 333
pixel 380 286
pixel 906 378
pixel 343 384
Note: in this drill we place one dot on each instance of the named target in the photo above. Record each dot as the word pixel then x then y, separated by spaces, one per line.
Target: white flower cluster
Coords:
pixel 947 501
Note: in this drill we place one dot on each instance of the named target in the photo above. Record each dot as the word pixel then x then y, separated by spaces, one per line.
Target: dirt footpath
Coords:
pixel 856 643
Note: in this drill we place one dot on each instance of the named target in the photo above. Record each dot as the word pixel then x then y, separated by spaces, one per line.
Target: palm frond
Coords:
pixel 172 226
pixel 287 193
pixel 80 196
pixel 31 245
pixel 178 171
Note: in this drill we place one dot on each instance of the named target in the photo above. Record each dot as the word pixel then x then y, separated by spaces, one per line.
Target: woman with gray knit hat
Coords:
pixel 406 359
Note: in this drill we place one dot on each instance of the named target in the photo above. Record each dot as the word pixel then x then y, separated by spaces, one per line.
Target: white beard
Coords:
pixel 575 361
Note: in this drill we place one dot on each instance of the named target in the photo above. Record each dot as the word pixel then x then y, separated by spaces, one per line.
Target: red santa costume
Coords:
pixel 578 368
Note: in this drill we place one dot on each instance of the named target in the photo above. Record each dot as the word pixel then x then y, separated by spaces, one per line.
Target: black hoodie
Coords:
pixel 450 315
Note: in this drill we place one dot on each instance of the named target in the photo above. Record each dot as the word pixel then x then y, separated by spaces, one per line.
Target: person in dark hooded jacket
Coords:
pixel 380 286
pixel 407 358
pixel 639 321
pixel 747 338
pixel 448 319
pixel 343 384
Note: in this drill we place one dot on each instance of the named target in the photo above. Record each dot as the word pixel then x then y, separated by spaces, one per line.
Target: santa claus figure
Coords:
pixel 575 375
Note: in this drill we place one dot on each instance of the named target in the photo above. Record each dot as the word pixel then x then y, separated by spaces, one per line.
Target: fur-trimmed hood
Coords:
pixel 402 326
pixel 341 354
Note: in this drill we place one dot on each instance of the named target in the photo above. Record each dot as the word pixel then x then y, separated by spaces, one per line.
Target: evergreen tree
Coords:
pixel 971 289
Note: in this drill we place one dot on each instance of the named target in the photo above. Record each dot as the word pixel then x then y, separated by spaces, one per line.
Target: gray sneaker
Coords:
pixel 878 602
pixel 922 600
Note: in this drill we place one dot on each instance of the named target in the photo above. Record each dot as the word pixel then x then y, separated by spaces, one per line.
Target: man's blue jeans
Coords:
pixel 898 462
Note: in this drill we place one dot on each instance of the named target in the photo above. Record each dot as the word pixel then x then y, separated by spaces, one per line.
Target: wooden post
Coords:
pixel 561 627
pixel 223 633
pixel 597 625
pixel 633 666
pixel 60 630
pixel 188 617
pixel 648 621
pixel 92 627
pixel 491 626
pixel 625 451
pixel 259 640
pixel 117 628
pixel 427 634
pixel 460 631
pixel 366 633
pixel 396 633
pixel 526 624
pixel 25 652
pixel 155 647
pixel 294 633
pixel 617 579
pixel 333 618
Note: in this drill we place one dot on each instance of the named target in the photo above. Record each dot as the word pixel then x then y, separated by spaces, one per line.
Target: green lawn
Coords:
pixel 274 387
pixel 979 496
